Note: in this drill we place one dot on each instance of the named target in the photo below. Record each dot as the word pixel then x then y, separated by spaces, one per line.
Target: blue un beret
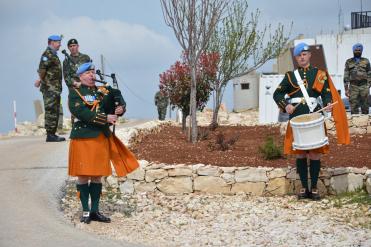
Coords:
pixel 299 48
pixel 358 46
pixel 55 38
pixel 85 67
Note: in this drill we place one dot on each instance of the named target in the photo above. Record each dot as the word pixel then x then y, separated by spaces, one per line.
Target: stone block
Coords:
pixel 228 169
pixel 357 170
pixel 368 185
pixel 256 189
pixel 339 184
pixel 251 175
pixel 340 171
pixel 112 181
pixel 211 185
pixel 360 121
pixel 175 172
pixel 152 175
pixel 355 181
pixel 144 187
pixel 143 163
pixel 277 173
pixel 127 187
pixel 292 174
pixel 277 186
pixel 175 185
pixel 138 174
pixel 209 171
pixel 228 178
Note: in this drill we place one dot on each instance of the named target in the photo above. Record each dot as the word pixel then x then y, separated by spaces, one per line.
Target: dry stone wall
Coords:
pixel 259 181
pixel 201 178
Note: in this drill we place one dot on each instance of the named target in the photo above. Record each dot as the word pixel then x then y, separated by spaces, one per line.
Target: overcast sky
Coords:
pixel 132 36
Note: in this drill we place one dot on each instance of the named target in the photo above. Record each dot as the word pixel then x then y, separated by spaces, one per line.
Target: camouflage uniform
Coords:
pixel 357 77
pixel 70 68
pixel 50 71
pixel 161 101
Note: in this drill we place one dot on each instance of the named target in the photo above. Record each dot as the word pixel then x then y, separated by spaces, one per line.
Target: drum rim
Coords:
pixel 320 119
pixel 324 142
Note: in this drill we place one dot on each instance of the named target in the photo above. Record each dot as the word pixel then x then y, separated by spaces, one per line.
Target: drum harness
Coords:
pixel 310 101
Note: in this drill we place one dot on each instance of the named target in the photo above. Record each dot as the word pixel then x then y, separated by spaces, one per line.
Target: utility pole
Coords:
pixel 102 64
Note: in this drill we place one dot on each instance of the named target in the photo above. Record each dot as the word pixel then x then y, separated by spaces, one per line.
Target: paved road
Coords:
pixel 32 173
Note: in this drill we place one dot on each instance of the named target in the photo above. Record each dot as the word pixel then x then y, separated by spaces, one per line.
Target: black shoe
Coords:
pixel 85 218
pixel 54 138
pixel 96 216
pixel 314 195
pixel 303 194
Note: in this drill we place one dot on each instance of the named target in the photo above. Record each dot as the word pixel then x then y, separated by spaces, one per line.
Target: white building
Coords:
pixel 337 49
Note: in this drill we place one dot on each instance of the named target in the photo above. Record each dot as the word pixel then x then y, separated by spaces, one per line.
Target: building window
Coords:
pixel 245 86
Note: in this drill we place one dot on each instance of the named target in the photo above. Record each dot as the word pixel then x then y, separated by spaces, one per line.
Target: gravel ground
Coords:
pixel 155 219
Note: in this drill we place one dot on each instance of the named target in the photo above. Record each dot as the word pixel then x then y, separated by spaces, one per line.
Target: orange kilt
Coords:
pixel 93 157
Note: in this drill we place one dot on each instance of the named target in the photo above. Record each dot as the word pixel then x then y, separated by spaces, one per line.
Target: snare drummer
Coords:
pixel 303 100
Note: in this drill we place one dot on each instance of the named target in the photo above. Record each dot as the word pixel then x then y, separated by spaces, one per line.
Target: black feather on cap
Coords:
pixel 72 42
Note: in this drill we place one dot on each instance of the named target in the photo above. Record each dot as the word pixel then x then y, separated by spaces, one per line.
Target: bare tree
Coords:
pixel 242 47
pixel 193 23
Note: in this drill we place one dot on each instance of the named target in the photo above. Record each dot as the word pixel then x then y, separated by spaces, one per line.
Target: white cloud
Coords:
pixel 137 54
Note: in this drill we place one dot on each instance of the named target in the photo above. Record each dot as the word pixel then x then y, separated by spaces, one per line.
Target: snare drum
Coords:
pixel 309 131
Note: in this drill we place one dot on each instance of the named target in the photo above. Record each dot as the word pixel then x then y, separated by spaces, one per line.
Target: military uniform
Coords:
pixel 93 146
pixel 50 71
pixel 357 77
pixel 290 87
pixel 161 101
pixel 320 90
pixel 70 68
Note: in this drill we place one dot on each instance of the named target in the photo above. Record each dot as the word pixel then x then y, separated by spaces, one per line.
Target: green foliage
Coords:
pixel 243 46
pixel 270 150
pixel 359 196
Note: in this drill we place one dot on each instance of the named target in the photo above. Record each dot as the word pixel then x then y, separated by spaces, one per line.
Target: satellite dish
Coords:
pixel 347 27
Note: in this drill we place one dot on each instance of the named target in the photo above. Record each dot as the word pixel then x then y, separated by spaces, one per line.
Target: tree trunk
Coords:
pixel 184 118
pixel 193 104
pixel 214 122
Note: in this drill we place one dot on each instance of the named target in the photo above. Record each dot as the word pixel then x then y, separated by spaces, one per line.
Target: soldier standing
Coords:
pixel 161 101
pixel 50 84
pixel 304 86
pixel 357 80
pixel 93 146
pixel 72 62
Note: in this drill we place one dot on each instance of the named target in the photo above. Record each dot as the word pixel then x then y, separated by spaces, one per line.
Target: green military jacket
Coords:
pixel 70 67
pixel 161 100
pixel 50 71
pixel 290 87
pixel 358 73
pixel 90 106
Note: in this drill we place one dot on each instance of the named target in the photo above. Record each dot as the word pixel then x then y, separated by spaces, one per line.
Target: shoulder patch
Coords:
pixel 77 104
pixel 44 58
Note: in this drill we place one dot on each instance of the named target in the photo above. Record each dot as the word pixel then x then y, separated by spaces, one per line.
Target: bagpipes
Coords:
pixel 116 96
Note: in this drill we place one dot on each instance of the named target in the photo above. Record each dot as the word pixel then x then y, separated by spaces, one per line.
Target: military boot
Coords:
pixel 54 138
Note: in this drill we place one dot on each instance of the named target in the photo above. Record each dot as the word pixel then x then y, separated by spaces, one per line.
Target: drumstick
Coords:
pixel 324 108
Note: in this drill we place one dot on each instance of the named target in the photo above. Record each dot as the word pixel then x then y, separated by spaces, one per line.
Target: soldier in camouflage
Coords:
pixel 161 101
pixel 50 84
pixel 72 62
pixel 357 80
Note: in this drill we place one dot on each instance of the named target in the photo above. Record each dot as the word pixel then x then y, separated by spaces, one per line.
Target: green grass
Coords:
pixel 360 196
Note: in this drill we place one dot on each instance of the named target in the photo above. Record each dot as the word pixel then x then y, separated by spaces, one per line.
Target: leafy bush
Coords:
pixel 270 150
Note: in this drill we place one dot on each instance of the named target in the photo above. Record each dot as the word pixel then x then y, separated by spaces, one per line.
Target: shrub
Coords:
pixel 222 143
pixel 270 150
